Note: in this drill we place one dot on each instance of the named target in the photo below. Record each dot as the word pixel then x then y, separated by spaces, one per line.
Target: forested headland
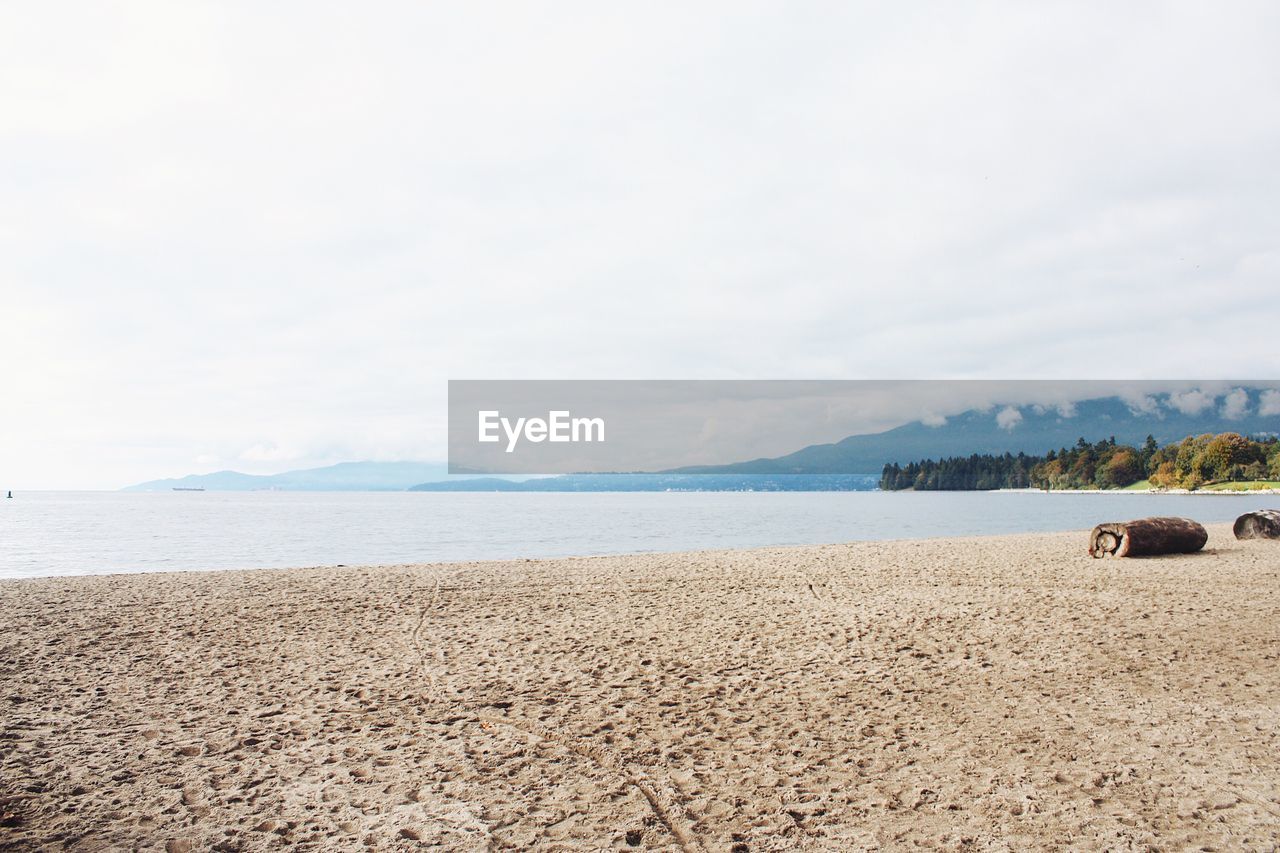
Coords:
pixel 1192 463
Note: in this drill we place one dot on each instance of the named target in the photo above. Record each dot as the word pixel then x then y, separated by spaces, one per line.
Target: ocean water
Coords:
pixel 76 533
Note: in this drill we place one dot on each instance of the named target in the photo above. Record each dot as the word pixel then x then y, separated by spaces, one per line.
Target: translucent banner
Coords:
pixel 823 427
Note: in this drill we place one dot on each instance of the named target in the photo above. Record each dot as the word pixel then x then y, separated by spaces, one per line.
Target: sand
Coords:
pixel 990 693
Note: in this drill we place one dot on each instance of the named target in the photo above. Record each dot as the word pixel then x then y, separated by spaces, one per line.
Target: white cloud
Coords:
pixel 1008 417
pixel 1141 404
pixel 1191 402
pixel 1063 408
pixel 1269 403
pixel 372 204
pixel 932 420
pixel 1235 405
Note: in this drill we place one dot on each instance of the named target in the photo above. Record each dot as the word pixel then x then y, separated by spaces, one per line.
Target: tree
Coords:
pixel 1149 449
pixel 1191 462
pixel 1084 467
pixel 1226 455
pixel 1165 476
pixel 1124 468
pixel 1187 464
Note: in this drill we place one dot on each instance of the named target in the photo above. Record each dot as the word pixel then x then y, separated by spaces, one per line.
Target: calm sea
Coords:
pixel 75 533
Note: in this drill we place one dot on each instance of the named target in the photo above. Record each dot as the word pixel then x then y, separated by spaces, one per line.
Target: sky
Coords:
pixel 264 236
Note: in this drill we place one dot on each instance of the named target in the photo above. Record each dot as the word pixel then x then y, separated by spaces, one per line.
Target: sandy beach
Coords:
pixel 989 693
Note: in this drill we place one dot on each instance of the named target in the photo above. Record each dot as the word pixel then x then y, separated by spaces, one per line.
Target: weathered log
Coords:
pixel 1263 524
pixel 1145 537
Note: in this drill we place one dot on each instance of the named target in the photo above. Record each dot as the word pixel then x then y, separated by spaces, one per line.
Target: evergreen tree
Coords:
pixel 1104 465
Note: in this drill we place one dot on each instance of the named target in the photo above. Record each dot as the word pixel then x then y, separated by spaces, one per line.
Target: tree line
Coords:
pixel 1189 464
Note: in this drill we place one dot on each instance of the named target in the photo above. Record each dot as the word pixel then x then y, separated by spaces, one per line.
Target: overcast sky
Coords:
pixel 262 236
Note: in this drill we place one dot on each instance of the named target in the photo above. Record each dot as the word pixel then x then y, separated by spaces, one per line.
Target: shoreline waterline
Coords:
pixel 1170 492
pixel 1224 531
pixel 111 533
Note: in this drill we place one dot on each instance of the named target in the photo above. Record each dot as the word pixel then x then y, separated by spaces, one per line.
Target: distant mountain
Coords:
pixel 852 464
pixel 664 483
pixel 1027 429
pixel 345 476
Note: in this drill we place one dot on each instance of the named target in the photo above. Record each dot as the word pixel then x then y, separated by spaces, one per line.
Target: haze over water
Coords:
pixel 76 533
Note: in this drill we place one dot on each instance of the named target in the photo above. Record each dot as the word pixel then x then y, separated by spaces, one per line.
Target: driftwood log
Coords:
pixel 1263 524
pixel 1146 537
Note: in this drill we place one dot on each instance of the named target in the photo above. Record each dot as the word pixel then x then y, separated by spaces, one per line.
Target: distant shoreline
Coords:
pixel 1215 492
